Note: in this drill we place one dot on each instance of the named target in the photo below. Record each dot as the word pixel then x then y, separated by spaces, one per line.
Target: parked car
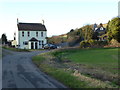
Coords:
pixel 50 46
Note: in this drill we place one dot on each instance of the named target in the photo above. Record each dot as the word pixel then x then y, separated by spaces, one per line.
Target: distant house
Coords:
pixel 100 30
pixel 31 35
pixel 12 43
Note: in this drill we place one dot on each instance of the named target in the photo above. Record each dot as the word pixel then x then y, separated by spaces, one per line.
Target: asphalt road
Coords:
pixel 18 71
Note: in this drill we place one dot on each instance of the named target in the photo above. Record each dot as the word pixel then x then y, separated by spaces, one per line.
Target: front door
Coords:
pixel 36 45
pixel 32 45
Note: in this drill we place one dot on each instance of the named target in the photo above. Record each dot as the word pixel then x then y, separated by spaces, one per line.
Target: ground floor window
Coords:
pixel 26 43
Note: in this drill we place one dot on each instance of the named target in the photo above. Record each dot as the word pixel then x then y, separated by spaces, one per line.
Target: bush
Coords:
pixel 84 44
pixel 92 43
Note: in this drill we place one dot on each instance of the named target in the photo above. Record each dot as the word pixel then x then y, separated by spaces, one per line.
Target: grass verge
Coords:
pixel 78 73
pixel 59 74
pixel 16 49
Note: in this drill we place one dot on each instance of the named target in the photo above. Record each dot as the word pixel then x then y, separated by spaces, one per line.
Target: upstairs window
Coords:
pixel 23 34
pixel 36 34
pixel 41 34
pixel 28 34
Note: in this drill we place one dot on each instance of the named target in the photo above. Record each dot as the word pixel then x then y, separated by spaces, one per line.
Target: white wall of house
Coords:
pixel 32 34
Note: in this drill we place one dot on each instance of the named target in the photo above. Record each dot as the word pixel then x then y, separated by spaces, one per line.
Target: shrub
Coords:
pixel 92 43
pixel 84 44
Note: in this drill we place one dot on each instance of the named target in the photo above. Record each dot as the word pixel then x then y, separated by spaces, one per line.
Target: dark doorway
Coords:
pixel 32 45
pixel 36 45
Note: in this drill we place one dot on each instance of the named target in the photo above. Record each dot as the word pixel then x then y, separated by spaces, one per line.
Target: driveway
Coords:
pixel 18 71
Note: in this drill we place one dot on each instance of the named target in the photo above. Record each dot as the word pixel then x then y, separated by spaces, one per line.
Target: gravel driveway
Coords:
pixel 18 71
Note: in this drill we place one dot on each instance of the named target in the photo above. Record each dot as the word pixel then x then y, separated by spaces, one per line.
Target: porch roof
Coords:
pixel 33 39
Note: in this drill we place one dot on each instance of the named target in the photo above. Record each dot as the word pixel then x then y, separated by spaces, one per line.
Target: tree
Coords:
pixel 95 36
pixel 72 30
pixel 113 29
pixel 4 39
pixel 87 32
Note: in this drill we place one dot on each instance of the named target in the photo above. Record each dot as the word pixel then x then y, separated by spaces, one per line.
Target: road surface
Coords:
pixel 18 71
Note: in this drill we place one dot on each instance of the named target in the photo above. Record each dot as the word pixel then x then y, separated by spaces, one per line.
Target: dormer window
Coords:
pixel 22 33
pixel 101 28
pixel 36 34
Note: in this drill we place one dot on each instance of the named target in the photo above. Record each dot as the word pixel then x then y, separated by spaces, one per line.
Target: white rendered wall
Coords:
pixel 22 39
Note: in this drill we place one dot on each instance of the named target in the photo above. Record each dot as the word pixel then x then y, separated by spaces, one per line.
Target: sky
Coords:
pixel 60 16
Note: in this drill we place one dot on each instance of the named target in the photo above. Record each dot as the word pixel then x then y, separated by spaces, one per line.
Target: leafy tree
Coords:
pixel 72 30
pixel 95 36
pixel 4 39
pixel 107 25
pixel 87 32
pixel 113 29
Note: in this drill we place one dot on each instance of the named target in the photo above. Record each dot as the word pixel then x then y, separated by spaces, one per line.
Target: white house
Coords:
pixel 31 35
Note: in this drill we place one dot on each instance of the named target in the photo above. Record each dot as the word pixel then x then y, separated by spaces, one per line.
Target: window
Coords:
pixel 26 43
pixel 39 42
pixel 41 34
pixel 101 28
pixel 36 34
pixel 23 33
pixel 42 42
pixel 28 34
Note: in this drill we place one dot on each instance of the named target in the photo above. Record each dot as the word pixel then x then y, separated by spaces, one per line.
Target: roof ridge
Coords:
pixel 28 23
pixel 31 26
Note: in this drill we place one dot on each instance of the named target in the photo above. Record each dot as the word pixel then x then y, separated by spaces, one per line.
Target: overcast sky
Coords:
pixel 59 15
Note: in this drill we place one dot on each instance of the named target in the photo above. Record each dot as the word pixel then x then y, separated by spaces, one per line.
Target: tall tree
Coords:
pixel 87 32
pixel 114 29
pixel 95 36
pixel 4 39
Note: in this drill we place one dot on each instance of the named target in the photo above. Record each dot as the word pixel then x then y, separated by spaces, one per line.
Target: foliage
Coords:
pixel 113 29
pixel 72 30
pixel 95 36
pixel 114 42
pixel 84 44
pixel 57 39
pixel 4 39
pixel 92 43
pixel 87 32
pixel 73 37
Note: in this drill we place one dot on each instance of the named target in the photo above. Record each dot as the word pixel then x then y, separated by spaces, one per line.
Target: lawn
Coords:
pixel 104 58
pixel 96 68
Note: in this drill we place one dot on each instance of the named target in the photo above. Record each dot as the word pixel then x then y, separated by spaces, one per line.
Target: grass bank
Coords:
pixel 81 68
pixel 103 58
pixel 16 49
pixel 59 74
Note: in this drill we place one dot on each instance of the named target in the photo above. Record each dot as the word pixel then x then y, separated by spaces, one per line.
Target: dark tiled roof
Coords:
pixel 31 27
pixel 99 29
pixel 33 39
